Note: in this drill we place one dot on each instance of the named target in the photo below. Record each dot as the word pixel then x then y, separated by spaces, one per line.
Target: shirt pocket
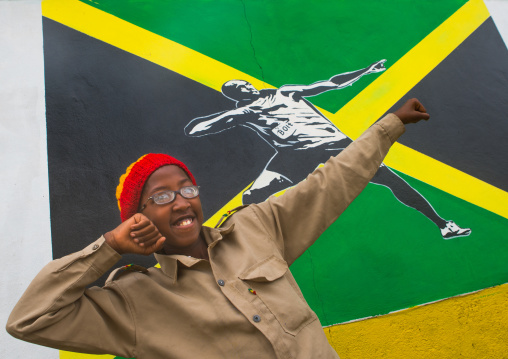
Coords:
pixel 275 286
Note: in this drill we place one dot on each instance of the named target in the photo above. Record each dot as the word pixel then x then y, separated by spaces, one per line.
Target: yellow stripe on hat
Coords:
pixel 123 177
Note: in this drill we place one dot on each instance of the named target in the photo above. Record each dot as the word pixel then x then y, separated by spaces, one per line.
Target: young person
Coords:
pixel 221 292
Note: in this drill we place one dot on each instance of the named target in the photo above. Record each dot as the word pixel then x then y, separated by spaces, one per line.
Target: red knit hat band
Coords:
pixel 128 192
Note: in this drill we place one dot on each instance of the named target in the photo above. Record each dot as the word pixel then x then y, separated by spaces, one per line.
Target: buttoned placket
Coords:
pixel 235 290
pixel 252 307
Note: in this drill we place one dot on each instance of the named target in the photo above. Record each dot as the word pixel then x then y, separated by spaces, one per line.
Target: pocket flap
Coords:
pixel 268 270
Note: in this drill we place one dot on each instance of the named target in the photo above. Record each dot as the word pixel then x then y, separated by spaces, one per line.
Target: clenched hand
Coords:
pixel 412 111
pixel 136 235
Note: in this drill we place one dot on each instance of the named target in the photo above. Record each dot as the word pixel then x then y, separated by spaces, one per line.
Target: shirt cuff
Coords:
pixel 393 126
pixel 103 256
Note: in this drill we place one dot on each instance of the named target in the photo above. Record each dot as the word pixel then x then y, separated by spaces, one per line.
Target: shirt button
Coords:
pixel 221 282
pixel 95 247
pixel 256 318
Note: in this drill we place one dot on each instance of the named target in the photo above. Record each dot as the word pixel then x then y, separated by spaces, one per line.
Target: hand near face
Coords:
pixel 136 235
pixel 412 111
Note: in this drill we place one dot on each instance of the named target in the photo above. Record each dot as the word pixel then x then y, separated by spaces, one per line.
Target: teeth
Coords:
pixel 185 222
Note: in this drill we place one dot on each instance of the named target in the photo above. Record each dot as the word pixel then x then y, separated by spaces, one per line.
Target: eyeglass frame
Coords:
pixel 175 193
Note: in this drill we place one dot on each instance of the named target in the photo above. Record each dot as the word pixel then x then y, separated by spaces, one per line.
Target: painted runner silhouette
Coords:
pixel 302 139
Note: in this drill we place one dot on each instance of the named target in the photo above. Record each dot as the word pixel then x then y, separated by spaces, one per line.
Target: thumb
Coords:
pixel 160 243
pixel 424 115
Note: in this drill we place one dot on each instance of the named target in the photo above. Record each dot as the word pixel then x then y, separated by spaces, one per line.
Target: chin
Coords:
pixel 181 243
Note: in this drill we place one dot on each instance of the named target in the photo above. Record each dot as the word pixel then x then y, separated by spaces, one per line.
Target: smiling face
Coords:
pixel 179 221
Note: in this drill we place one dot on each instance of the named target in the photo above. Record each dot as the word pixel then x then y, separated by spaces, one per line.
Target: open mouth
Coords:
pixel 184 222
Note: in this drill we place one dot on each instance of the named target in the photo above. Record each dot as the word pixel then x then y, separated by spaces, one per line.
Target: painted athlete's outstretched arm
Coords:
pixel 241 90
pixel 337 82
pixel 218 122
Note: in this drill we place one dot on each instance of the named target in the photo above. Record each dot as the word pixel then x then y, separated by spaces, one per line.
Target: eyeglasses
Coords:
pixel 165 197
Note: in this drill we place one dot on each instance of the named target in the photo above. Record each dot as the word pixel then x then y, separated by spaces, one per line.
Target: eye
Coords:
pixel 189 191
pixel 163 197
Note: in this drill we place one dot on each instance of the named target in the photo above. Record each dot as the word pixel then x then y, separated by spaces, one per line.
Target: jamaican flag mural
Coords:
pixel 254 95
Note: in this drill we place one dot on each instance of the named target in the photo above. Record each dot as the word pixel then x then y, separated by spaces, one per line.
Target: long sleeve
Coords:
pixel 58 311
pixel 297 218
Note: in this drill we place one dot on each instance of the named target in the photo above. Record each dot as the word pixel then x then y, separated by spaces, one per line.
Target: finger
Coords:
pixel 415 104
pixel 143 230
pixel 419 107
pixel 151 242
pixel 147 250
pixel 416 116
pixel 141 238
pixel 159 244
pixel 147 236
pixel 138 217
pixel 141 223
pixel 424 116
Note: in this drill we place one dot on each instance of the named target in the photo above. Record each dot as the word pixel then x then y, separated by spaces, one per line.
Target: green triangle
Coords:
pixel 381 256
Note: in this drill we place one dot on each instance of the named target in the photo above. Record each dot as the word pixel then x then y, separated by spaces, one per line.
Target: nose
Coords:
pixel 180 203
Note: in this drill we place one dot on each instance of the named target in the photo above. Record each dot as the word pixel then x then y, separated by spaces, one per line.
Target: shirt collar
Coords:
pixel 170 263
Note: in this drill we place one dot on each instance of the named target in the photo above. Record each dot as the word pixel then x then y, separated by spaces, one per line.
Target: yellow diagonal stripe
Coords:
pixel 386 90
pixel 352 119
pixel 143 43
pixel 448 179
pixel 235 202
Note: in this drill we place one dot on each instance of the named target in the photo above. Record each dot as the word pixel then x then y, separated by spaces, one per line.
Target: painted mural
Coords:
pixel 233 94
pixel 302 138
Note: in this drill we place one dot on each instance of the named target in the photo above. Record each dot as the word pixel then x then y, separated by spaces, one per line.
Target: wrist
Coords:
pixel 110 241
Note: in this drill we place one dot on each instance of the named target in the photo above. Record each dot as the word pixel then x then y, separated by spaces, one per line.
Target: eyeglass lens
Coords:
pixel 169 196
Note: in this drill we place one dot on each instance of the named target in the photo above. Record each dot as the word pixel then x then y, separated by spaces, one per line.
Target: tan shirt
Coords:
pixel 243 303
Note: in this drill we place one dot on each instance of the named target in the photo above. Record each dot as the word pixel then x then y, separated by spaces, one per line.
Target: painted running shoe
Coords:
pixel 451 230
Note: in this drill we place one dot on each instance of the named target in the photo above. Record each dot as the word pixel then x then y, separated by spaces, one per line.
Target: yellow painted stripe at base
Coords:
pixel 470 326
pixel 143 43
pixel 71 355
pixel 362 111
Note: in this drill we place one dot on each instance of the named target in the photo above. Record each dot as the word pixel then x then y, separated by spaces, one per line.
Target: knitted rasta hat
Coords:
pixel 128 192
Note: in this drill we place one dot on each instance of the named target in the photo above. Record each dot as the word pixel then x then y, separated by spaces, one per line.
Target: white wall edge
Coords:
pixel 25 220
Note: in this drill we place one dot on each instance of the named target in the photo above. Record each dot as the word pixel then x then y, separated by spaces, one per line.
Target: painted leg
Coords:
pixel 264 186
pixel 412 198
